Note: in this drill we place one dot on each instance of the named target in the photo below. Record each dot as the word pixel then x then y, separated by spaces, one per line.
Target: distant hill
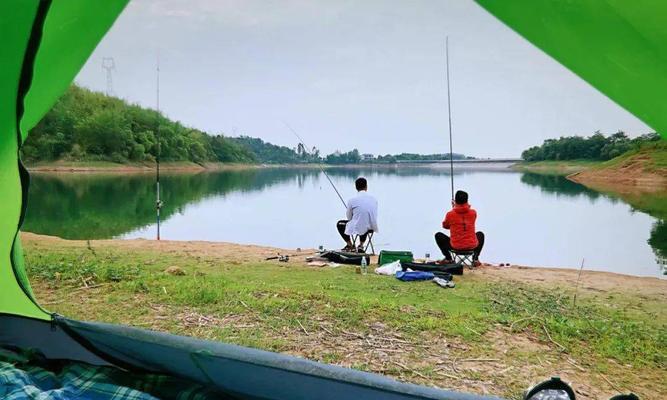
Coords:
pixel 270 153
pixel 87 126
pixel 596 147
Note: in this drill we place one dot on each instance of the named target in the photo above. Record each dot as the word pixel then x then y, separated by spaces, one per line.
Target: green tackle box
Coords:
pixel 387 256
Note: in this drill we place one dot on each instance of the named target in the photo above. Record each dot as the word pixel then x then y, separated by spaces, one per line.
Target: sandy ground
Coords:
pixel 590 281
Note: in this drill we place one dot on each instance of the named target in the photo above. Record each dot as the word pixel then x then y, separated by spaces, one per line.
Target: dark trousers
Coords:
pixel 445 245
pixel 340 225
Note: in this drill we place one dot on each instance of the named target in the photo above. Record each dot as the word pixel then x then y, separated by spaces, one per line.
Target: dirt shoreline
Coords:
pixel 591 281
pixel 188 167
pixel 630 176
pixel 110 168
pixel 621 180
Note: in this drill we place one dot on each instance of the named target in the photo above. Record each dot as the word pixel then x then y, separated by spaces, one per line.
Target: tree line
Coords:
pixel 88 126
pixel 594 147
pixel 85 125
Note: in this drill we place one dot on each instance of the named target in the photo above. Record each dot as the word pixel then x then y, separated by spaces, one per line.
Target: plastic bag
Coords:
pixel 389 269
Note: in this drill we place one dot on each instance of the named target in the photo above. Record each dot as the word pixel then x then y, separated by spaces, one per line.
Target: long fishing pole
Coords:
pixel 449 113
pixel 319 164
pixel 158 202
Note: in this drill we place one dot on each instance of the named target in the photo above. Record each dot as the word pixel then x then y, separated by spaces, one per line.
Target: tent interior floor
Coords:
pixel 222 370
pixel 28 373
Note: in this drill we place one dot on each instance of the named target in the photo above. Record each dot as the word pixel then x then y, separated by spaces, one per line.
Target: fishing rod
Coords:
pixel 285 257
pixel 319 164
pixel 449 113
pixel 158 202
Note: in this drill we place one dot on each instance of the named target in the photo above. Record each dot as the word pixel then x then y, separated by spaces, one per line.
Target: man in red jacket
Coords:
pixel 461 223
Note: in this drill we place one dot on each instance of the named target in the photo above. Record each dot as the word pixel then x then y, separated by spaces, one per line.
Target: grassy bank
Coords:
pixel 496 332
pixel 651 159
pixel 555 167
pixel 638 171
pixel 654 156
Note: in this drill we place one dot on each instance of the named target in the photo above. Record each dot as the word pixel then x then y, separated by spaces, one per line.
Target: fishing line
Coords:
pixel 319 164
pixel 449 113
pixel 576 287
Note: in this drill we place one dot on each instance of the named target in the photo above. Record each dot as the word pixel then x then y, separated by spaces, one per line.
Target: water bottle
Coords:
pixel 427 257
pixel 364 266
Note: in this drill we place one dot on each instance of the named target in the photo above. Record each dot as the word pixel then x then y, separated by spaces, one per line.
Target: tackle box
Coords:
pixel 387 256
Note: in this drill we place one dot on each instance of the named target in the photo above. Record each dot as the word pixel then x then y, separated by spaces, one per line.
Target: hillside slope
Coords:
pixel 644 169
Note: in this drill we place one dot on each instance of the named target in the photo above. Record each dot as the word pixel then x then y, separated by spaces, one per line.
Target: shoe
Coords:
pixel 444 261
pixel 444 283
pixel 361 250
pixel 348 248
pixel 443 275
pixel 476 263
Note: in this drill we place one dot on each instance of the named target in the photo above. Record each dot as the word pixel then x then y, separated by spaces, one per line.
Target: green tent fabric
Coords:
pixel 12 298
pixel 45 43
pixel 618 46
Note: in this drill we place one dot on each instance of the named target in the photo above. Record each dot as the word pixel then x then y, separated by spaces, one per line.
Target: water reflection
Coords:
pixel 99 206
pixel 560 185
pixel 92 206
pixel 658 238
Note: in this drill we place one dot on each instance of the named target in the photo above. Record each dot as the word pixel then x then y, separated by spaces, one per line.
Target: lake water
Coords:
pixel 528 219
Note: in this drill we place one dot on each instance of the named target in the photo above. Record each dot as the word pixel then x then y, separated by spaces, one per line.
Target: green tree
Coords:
pixel 595 147
pixel 105 132
pixel 86 125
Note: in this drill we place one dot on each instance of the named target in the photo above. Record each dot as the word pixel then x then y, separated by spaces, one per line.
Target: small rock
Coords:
pixel 174 270
pixel 378 326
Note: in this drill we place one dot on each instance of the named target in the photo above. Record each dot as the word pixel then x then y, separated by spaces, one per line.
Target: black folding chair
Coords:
pixel 464 257
pixel 367 244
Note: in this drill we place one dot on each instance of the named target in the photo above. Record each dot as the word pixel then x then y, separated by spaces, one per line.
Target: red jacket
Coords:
pixel 461 223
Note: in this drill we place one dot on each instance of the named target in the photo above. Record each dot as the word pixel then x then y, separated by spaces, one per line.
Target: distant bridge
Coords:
pixel 466 161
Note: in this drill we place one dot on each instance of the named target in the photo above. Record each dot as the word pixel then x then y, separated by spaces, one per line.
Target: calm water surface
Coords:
pixel 528 219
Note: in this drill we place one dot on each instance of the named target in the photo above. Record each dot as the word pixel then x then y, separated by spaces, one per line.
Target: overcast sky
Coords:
pixel 349 74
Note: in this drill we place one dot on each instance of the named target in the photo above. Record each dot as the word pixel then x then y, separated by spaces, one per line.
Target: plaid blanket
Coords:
pixel 24 377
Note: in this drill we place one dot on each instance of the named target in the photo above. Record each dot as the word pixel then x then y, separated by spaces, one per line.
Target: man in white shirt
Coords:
pixel 362 217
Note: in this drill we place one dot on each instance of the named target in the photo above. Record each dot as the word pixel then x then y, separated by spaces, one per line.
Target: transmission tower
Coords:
pixel 109 65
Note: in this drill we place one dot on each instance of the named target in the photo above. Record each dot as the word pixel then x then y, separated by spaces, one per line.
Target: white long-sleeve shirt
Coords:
pixel 362 214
